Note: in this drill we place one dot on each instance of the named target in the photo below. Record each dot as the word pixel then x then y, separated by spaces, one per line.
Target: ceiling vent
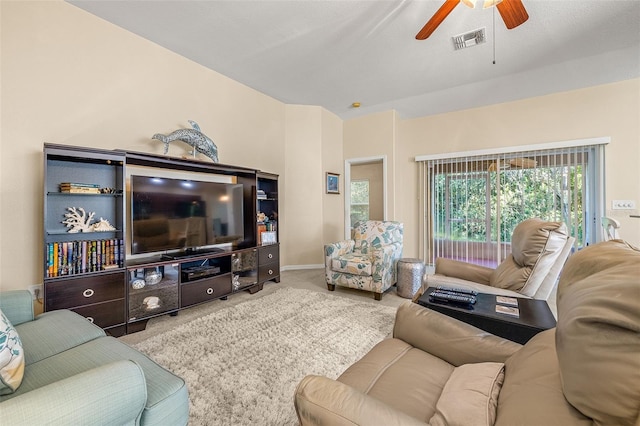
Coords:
pixel 469 39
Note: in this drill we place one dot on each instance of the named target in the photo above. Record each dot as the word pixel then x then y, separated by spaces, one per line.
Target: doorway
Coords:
pixel 365 190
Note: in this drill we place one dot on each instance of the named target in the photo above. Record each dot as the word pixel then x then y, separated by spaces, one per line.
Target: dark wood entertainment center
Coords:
pixel 94 274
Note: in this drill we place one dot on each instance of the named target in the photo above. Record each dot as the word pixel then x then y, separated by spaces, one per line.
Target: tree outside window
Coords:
pixel 468 203
pixel 359 200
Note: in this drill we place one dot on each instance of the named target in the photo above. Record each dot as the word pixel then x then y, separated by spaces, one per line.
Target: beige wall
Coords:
pixel 609 110
pixel 313 147
pixel 375 136
pixel 71 78
pixel 332 161
pixel 303 218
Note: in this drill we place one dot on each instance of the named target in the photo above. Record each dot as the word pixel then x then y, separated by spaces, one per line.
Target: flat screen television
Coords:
pixel 184 216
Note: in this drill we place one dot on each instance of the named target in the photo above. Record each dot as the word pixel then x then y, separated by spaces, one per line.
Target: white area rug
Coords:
pixel 243 363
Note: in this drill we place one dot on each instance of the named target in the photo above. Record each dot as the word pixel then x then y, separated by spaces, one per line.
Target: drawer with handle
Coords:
pixel 268 254
pixel 103 315
pixel 268 272
pixel 80 291
pixel 205 290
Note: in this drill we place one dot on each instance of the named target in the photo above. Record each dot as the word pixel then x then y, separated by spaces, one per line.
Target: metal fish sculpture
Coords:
pixel 194 137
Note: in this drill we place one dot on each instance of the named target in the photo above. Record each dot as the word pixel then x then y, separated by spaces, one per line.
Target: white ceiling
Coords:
pixel 334 53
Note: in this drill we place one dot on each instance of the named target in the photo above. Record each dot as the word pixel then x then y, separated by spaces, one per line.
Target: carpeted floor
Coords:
pixel 309 279
pixel 242 360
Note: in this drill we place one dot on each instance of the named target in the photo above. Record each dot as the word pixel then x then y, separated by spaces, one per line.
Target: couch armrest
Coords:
pixel 338 249
pixel 463 270
pixel 115 393
pixel 322 401
pixel 17 305
pixel 447 338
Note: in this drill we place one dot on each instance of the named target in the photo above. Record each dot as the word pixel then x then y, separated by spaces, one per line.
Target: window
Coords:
pixel 359 200
pixel 473 203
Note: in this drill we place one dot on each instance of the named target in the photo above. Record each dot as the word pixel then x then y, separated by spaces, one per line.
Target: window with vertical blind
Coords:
pixel 472 203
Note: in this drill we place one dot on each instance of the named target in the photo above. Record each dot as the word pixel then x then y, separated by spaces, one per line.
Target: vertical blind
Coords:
pixel 473 203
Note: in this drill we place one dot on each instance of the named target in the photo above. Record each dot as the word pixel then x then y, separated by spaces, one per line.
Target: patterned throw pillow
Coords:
pixel 11 357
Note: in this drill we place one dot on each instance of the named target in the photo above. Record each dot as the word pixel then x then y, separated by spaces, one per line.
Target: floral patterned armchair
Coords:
pixel 367 261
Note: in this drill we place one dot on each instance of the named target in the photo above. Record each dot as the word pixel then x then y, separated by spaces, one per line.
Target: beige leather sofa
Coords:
pixel 539 250
pixel 439 371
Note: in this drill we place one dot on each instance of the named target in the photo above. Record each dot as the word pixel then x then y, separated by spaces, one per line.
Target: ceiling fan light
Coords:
pixel 469 3
pixel 490 3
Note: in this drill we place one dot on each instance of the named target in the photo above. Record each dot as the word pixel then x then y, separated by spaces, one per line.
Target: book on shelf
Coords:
pixel 261 228
pixel 81 191
pixel 79 185
pixel 79 188
pixel 267 227
pixel 79 257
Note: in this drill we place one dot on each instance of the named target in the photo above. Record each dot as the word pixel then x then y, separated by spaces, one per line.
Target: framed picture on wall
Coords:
pixel 333 183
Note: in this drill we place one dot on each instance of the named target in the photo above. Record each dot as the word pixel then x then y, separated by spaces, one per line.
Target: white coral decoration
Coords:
pixel 78 221
pixel 102 225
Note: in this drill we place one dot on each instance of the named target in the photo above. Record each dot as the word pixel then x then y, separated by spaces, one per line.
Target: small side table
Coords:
pixel 535 316
pixel 410 272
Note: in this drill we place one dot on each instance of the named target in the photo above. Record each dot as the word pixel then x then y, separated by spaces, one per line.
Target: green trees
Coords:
pixel 359 200
pixel 485 206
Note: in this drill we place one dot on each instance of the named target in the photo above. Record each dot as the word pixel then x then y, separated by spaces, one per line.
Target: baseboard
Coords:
pixel 300 267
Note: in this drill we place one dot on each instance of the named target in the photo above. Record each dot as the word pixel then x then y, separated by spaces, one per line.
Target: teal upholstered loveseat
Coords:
pixel 75 374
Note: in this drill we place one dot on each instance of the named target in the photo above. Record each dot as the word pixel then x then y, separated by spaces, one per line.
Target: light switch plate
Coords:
pixel 623 205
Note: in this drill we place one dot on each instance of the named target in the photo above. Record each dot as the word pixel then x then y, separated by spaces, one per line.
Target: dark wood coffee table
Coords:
pixel 535 316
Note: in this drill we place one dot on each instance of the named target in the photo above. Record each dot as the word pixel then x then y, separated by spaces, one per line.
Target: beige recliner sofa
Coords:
pixel 539 250
pixel 439 371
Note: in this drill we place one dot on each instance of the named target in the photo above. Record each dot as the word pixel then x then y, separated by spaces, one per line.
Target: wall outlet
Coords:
pixel 623 204
pixel 36 291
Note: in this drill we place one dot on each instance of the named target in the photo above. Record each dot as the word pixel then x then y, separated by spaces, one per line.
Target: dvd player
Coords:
pixel 196 272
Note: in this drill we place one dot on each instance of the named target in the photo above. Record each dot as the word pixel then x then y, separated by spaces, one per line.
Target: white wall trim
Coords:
pixel 300 267
pixel 535 147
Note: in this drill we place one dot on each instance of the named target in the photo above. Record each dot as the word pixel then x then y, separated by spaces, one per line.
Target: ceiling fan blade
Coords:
pixel 437 19
pixel 513 13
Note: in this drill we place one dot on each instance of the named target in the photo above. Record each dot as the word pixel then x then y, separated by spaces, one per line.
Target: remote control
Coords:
pixel 457 290
pixel 455 298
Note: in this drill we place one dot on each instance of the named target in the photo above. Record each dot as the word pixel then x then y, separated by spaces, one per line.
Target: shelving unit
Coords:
pixel 268 232
pixel 90 273
pixel 84 271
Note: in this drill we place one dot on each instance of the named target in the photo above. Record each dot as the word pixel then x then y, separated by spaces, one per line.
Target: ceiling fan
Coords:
pixel 512 11
pixel 513 163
